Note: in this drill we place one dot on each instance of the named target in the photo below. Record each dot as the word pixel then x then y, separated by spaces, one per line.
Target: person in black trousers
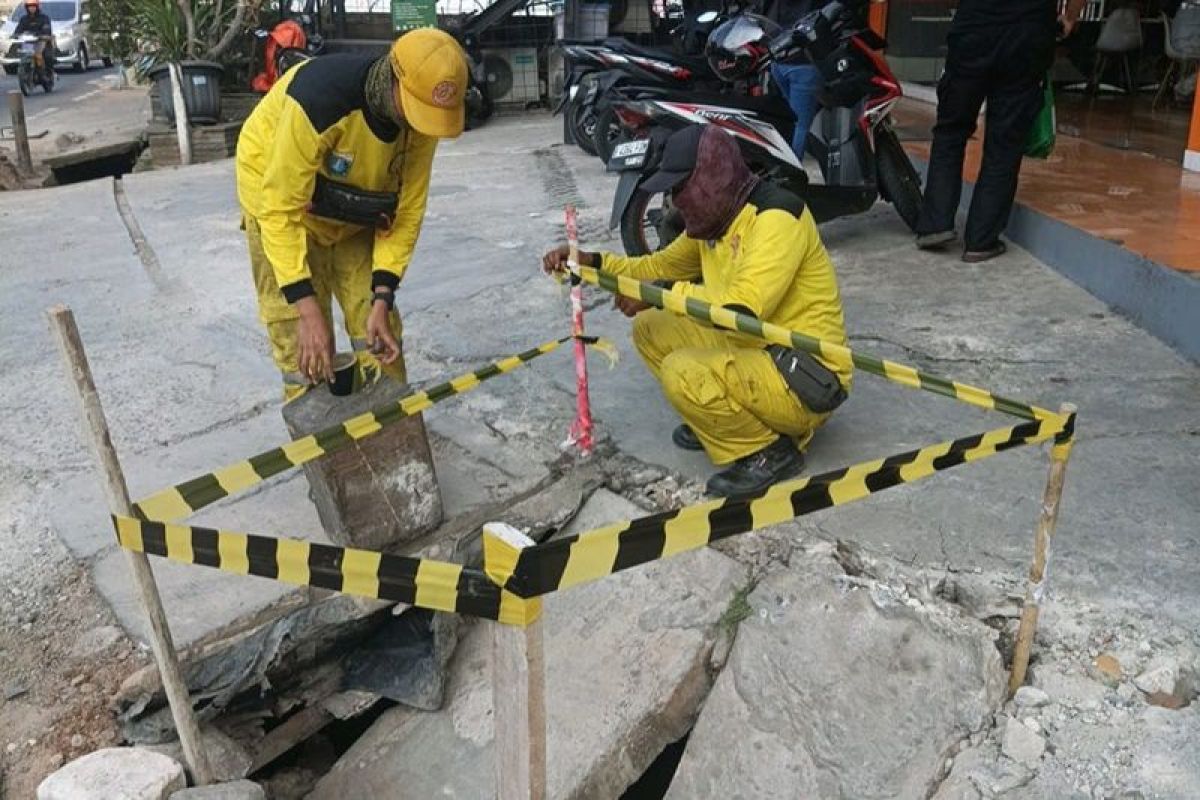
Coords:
pixel 998 51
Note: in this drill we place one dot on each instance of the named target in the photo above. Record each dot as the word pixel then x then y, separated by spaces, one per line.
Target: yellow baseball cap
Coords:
pixel 431 69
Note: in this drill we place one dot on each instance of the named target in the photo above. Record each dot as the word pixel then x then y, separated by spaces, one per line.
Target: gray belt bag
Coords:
pixel 814 384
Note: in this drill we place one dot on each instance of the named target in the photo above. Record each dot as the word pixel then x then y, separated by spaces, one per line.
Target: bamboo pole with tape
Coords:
pixel 518 679
pixel 1060 452
pixel 95 432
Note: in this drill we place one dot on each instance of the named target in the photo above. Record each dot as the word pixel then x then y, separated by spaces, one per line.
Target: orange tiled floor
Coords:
pixel 1148 205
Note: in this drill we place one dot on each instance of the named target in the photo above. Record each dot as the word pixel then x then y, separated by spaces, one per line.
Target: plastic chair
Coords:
pixel 1181 45
pixel 1120 37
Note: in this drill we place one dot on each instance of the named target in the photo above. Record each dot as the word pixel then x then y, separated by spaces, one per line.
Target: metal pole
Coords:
pixel 1043 538
pixel 95 432
pixel 518 696
pixel 16 108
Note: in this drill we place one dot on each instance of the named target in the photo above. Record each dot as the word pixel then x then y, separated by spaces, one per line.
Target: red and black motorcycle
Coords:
pixel 852 139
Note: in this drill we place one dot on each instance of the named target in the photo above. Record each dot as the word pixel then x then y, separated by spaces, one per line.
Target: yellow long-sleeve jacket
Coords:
pixel 316 120
pixel 770 261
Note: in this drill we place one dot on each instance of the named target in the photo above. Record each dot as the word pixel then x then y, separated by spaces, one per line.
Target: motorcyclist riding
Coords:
pixel 37 23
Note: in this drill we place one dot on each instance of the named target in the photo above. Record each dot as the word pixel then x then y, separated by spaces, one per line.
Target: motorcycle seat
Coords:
pixel 697 64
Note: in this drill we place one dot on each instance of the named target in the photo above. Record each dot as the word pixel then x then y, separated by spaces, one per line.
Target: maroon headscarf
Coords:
pixel 718 187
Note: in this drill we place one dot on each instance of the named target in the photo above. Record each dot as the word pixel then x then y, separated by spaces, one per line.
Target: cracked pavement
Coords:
pixel 1129 533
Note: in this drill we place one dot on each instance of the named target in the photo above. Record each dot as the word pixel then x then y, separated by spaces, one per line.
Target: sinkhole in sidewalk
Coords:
pixel 656 780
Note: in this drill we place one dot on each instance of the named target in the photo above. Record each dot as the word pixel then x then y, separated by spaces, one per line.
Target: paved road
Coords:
pixel 88 106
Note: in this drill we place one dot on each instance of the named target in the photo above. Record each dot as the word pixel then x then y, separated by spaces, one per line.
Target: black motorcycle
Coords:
pixel 593 70
pixel 852 140
pixel 29 74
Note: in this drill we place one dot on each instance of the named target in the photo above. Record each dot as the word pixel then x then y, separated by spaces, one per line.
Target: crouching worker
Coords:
pixel 332 176
pixel 753 248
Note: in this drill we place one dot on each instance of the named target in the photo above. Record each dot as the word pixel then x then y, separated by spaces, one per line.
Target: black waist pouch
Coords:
pixel 344 203
pixel 816 386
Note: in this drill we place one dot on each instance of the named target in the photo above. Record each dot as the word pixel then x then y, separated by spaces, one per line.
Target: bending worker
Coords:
pixel 752 247
pixel 332 175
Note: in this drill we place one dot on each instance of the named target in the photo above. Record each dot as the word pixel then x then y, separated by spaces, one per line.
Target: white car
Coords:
pixel 69 20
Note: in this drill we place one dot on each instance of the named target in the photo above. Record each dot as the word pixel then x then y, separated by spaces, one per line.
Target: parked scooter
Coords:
pixel 594 69
pixel 852 139
pixel 29 73
pixel 288 43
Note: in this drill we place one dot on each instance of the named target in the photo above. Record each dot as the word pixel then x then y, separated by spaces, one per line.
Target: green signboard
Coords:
pixel 409 14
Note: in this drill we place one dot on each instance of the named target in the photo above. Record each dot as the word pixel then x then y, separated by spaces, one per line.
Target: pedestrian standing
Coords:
pixel 998 51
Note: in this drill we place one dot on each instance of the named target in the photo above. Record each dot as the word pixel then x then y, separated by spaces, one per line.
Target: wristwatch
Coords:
pixel 387 297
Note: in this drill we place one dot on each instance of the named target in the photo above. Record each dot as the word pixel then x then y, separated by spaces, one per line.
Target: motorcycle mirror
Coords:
pixel 707 17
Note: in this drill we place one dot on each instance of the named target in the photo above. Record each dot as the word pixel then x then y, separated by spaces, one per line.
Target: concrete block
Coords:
pixel 125 772
pixel 377 492
pixel 236 790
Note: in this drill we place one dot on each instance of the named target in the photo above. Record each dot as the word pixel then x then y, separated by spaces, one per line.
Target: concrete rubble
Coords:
pixel 128 773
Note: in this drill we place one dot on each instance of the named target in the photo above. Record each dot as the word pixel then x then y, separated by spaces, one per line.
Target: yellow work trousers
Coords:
pixel 341 271
pixel 728 390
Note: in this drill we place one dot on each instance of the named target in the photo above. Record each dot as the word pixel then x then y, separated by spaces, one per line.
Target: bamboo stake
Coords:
pixel 518 697
pixel 16 109
pixel 1043 538
pixel 95 432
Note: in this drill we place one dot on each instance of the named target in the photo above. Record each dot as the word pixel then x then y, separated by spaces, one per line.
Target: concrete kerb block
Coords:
pixel 377 492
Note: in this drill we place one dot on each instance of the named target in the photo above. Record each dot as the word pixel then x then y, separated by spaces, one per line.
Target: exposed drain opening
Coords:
pixel 657 778
pixel 293 775
pixel 112 161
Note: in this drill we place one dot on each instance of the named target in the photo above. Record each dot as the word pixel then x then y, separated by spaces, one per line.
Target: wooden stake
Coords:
pixel 16 109
pixel 95 432
pixel 1043 538
pixel 518 697
pixel 182 124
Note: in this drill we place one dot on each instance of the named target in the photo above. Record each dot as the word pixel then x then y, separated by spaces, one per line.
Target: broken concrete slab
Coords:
pixel 228 760
pixel 375 493
pixel 840 687
pixel 129 773
pixel 234 790
pixel 626 670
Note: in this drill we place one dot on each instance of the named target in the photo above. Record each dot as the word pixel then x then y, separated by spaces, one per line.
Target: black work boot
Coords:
pixel 777 461
pixel 685 438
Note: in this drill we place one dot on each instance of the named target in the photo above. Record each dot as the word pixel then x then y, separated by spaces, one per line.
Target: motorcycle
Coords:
pixel 852 139
pixel 592 70
pixel 29 74
pixel 288 43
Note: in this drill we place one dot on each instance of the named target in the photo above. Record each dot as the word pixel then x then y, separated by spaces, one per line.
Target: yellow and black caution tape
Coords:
pixel 514 580
pixel 567 562
pixel 188 497
pixel 421 582
pixel 893 371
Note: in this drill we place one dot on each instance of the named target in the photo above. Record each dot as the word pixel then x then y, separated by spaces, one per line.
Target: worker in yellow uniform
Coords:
pixel 332 176
pixel 751 247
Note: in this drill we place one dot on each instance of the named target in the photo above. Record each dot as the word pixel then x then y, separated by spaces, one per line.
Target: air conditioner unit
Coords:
pixel 512 75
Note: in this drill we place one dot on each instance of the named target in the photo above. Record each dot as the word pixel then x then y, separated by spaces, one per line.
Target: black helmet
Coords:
pixel 739 47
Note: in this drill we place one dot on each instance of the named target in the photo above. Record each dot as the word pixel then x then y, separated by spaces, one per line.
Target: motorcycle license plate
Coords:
pixel 637 147
pixel 27 47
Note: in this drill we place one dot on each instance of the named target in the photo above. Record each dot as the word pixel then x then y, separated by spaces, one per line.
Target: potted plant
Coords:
pixel 195 34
